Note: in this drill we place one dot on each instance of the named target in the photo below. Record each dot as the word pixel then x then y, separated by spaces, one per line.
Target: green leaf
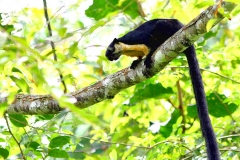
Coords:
pixel 236 10
pixel 113 155
pixel 82 129
pixel 77 155
pixel 95 26
pixel 151 91
pixel 204 4
pixel 166 130
pixel 210 24
pixel 90 118
pixel 216 107
pixel 18 120
pixel 99 9
pixel 14 69
pixel 7 28
pixel 44 117
pixel 62 32
pixel 21 83
pixel 130 8
pixel 37 75
pixel 57 153
pixel 221 11
pixel 4 153
pixel 192 111
pixel 59 141
pixel 34 145
pixel 73 48
pixel 7 133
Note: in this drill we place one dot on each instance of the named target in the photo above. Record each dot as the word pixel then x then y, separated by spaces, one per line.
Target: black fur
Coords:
pixel 109 53
pixel 153 33
pixel 205 122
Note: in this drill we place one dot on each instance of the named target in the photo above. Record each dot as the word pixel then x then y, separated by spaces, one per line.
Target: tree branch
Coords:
pixel 112 84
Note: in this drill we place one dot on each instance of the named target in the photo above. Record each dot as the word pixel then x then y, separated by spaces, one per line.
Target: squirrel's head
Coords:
pixel 114 50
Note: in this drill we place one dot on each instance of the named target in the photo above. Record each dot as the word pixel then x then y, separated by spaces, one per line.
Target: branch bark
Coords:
pixel 112 84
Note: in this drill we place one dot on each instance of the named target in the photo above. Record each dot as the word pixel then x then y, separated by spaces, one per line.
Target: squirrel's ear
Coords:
pixel 115 40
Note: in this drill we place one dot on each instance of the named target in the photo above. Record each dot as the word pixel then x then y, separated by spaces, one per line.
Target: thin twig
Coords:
pixel 228 136
pixel 187 157
pixel 140 9
pixel 199 146
pixel 225 77
pixel 52 44
pixel 179 89
pixel 166 4
pixel 226 149
pixel 15 139
pixel 171 102
pixel 149 148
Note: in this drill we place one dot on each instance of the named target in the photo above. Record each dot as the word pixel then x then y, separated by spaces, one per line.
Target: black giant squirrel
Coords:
pixel 143 41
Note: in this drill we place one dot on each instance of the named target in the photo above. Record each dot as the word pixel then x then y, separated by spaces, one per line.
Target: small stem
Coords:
pixel 181 108
pixel 52 44
pixel 202 69
pixel 15 139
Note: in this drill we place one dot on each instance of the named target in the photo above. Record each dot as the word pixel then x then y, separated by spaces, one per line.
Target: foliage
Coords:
pixel 146 121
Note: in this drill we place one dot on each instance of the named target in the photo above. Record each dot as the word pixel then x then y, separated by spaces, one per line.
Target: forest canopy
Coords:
pixel 154 119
